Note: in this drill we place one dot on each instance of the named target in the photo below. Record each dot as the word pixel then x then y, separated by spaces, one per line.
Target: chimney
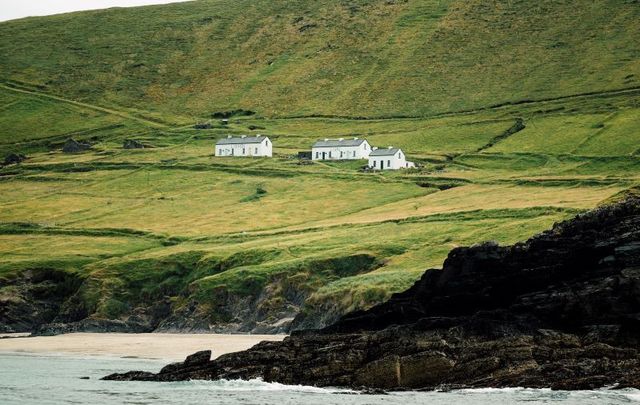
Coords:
pixel 326 139
pixel 243 136
pixel 355 138
pixel 229 137
pixel 390 147
pixel 341 139
pixel 375 148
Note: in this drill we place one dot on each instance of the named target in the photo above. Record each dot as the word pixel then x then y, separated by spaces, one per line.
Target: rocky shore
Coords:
pixel 561 310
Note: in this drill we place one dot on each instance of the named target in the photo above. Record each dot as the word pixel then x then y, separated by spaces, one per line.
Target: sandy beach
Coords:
pixel 166 346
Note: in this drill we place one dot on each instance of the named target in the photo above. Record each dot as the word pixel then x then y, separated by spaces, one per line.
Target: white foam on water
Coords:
pixel 632 395
pixel 262 386
pixel 499 390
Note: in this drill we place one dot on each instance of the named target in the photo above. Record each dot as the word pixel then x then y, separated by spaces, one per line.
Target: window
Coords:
pixel 354 153
pixel 374 163
pixel 388 163
pixel 329 153
pixel 256 152
pixel 317 155
pixel 340 153
pixel 243 151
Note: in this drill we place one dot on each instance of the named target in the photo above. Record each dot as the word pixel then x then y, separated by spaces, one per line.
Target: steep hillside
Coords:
pixel 519 114
pixel 330 57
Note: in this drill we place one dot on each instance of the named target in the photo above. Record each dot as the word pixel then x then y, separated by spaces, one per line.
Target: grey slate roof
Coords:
pixel 384 152
pixel 337 142
pixel 236 140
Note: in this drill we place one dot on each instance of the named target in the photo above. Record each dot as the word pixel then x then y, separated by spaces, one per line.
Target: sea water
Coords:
pixel 48 379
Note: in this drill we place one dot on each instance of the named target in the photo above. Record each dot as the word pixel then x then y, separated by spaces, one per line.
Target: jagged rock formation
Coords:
pixel 34 298
pixel 560 310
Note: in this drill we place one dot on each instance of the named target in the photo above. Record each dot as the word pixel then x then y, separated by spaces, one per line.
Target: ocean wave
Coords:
pixel 260 385
pixel 633 395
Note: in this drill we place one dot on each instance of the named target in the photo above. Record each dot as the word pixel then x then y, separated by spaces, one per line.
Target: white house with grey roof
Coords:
pixel 340 149
pixel 388 159
pixel 244 146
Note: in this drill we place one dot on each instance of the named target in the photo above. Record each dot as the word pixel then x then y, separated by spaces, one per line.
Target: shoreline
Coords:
pixel 152 346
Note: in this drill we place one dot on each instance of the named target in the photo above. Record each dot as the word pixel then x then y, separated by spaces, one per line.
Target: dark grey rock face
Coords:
pixel 34 298
pixel 561 310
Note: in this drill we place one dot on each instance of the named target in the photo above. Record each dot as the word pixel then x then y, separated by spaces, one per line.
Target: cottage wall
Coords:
pixel 263 149
pixel 395 162
pixel 341 152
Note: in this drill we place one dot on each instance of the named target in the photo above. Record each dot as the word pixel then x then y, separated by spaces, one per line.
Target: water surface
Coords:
pixel 48 379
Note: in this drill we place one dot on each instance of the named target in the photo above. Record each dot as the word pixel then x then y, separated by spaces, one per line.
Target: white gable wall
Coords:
pixel 262 149
pixel 395 162
pixel 341 152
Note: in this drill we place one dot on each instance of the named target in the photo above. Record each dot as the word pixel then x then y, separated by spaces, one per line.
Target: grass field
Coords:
pixel 173 222
pixel 515 119
pixel 350 58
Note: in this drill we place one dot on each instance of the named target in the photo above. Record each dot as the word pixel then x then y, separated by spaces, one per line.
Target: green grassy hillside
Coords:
pixel 332 57
pixel 520 114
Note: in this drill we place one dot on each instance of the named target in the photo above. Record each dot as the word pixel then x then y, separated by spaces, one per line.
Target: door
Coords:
pixel 382 165
pixel 324 155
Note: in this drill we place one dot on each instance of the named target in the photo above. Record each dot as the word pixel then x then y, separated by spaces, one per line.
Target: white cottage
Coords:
pixel 340 149
pixel 388 159
pixel 244 146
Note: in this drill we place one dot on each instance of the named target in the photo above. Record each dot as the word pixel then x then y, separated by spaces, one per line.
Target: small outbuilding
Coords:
pixel 244 146
pixel 340 149
pixel 388 159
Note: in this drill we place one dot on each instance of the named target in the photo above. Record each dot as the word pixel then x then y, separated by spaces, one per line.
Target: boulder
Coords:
pixel 73 146
pixel 201 357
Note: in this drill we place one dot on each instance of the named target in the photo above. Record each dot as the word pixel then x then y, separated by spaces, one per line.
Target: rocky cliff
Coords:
pixel 560 310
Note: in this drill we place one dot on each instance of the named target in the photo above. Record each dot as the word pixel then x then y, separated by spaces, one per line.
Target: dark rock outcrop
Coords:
pixel 132 144
pixel 14 158
pixel 560 310
pixel 73 146
pixel 33 298
pixel 203 125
